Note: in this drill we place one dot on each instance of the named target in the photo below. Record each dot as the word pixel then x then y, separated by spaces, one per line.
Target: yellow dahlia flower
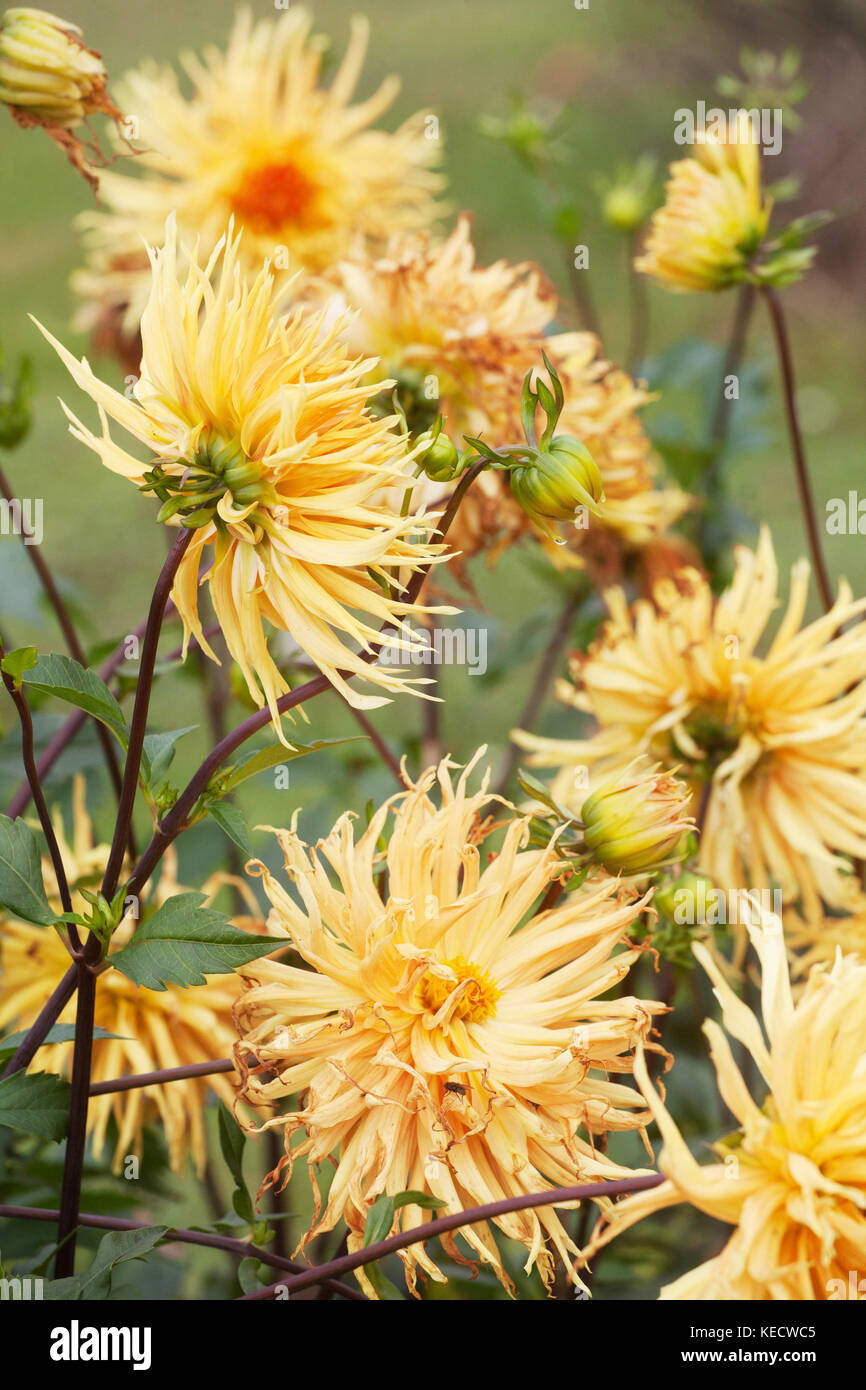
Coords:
pixel 257 426
pixel 50 78
pixel 155 1028
pixel 773 744
pixel 791 1179
pixel 295 163
pixel 713 219
pixel 436 1038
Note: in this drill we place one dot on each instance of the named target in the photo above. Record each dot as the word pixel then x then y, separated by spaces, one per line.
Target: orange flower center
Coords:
pixel 276 195
pixel 478 996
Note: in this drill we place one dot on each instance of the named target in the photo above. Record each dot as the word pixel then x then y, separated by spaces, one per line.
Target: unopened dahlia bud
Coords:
pixel 440 459
pixel 560 477
pixel 627 202
pixel 637 822
pixel 50 78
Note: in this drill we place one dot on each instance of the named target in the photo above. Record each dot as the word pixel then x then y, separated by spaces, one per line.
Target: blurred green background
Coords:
pixel 624 69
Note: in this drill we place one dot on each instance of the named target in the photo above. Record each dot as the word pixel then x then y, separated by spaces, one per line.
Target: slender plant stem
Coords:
pixel 550 658
pixel 807 502
pixel 159 1078
pixel 73 1167
pixel 70 636
pixel 721 420
pixel 431 720
pixel 48 1016
pixel 204 1238
pixel 582 294
pixel 381 747
pixel 553 1197
pixel 277 1197
pixel 67 731
pixel 638 310
pixel 722 415
pixel 176 820
pixel 28 757
pixel 76 1138
pixel 138 723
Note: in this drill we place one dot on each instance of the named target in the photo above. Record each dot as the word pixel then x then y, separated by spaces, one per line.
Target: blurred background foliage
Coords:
pixel 620 71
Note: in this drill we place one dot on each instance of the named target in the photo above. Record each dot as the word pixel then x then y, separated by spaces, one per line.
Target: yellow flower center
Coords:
pixel 277 195
pixel 477 1000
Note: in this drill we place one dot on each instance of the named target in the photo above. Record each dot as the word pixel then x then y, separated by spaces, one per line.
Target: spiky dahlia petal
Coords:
pixel 778 736
pixel 268 414
pixel 792 1179
pixel 259 138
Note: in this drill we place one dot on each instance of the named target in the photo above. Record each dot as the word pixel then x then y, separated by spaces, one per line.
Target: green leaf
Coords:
pixel 116 1248
pixel 232 820
pixel 259 760
pixel 411 1198
pixel 232 1144
pixel 380 1219
pixel 60 1033
pixel 158 753
pixel 249 1270
pixel 183 942
pixel 22 891
pixel 61 676
pixel 35 1102
pixel 15 663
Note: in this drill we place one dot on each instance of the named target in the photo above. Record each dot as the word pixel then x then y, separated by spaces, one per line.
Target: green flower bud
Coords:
pixel 628 200
pixel 440 458
pixel 623 208
pixel 637 823
pixel 684 899
pixel 559 478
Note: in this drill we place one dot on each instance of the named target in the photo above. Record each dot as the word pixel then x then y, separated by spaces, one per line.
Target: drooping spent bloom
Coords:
pixel 153 1029
pixel 299 165
pixel 438 1040
pixel 261 441
pixel 714 217
pixel 773 741
pixel 469 333
pixel 50 78
pixel 791 1179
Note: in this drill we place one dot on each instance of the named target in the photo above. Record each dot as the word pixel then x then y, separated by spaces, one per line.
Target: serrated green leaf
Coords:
pixel 158 753
pixel 59 675
pixel 22 891
pixel 232 820
pixel 259 760
pixel 183 942
pixel 115 1248
pixel 60 1033
pixel 35 1102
